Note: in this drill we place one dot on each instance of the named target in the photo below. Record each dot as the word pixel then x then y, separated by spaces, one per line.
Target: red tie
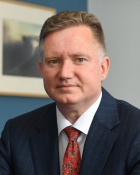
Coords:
pixel 72 157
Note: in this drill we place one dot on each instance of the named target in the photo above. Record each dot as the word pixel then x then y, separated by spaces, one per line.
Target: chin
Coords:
pixel 66 100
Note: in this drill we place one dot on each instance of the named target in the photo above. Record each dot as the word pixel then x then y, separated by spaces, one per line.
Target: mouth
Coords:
pixel 66 86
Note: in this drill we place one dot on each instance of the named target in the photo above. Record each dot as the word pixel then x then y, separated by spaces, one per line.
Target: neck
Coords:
pixel 72 112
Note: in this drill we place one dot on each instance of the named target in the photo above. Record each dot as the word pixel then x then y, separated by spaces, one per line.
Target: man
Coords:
pixel 73 65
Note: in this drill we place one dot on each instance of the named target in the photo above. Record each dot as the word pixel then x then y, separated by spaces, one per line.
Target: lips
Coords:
pixel 65 86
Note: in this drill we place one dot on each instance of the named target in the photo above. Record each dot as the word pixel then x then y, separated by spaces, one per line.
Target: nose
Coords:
pixel 66 70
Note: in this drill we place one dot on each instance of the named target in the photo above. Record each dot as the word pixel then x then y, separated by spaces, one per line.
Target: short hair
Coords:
pixel 67 19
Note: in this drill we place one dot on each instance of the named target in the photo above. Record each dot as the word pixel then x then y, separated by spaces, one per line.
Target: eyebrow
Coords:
pixel 78 54
pixel 58 56
pixel 49 57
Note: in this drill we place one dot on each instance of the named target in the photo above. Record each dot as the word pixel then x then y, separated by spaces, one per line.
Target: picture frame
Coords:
pixel 20 25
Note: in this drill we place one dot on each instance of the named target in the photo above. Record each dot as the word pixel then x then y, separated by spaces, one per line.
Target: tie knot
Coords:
pixel 72 133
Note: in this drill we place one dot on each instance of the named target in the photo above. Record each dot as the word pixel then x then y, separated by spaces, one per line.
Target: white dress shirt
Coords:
pixel 82 124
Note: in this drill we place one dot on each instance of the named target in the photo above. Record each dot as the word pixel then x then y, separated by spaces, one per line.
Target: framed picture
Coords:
pixel 20 25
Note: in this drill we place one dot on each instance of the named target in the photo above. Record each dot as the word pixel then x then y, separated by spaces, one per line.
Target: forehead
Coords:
pixel 74 34
pixel 71 41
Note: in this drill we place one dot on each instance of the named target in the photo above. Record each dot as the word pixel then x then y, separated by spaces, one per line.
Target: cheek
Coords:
pixel 50 79
pixel 93 73
pixel 93 80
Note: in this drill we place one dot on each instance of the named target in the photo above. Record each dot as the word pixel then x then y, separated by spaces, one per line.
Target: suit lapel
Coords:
pixel 98 145
pixel 101 137
pixel 44 145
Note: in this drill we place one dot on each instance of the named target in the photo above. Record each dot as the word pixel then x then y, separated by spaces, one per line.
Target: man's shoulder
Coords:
pixel 38 112
pixel 29 119
pixel 127 108
pixel 123 108
pixel 120 104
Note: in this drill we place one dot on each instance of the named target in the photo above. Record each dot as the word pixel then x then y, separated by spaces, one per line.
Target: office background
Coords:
pixel 120 20
pixel 11 106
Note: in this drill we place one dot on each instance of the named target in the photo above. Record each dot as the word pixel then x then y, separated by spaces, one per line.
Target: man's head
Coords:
pixel 69 19
pixel 72 44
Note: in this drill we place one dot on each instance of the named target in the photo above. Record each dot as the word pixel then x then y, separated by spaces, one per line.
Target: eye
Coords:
pixel 80 59
pixel 53 61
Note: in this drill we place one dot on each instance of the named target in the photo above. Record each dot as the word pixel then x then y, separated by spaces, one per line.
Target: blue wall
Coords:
pixel 13 106
pixel 61 5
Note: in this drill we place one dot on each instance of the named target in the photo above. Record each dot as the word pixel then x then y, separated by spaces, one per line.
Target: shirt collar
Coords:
pixel 83 122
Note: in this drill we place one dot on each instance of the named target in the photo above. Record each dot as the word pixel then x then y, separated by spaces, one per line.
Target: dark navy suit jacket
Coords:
pixel 29 143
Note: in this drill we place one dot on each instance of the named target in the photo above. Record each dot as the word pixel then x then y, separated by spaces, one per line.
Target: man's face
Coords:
pixel 71 69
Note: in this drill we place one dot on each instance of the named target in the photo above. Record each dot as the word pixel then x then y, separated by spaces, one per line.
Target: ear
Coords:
pixel 40 66
pixel 105 65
